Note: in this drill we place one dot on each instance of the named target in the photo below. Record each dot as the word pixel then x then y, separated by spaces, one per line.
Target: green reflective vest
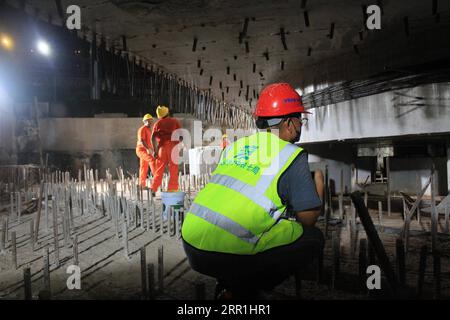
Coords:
pixel 239 210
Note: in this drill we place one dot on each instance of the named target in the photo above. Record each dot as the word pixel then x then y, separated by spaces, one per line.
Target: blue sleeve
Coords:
pixel 296 187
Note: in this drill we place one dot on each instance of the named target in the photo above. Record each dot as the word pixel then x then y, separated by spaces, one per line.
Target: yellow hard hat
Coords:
pixel 162 112
pixel 224 136
pixel 147 117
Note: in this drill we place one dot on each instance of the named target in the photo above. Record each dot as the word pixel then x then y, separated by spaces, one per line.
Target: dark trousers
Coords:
pixel 264 270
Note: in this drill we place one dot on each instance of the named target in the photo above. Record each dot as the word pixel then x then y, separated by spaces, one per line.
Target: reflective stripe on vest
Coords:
pixel 248 191
pixel 274 169
pixel 256 193
pixel 223 222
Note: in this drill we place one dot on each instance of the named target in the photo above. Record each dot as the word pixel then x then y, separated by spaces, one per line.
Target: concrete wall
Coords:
pixel 352 174
pixel 388 114
pixel 337 156
pixel 91 134
pixel 101 143
pixel 334 172
pixel 411 174
pixel 88 134
pixel 104 143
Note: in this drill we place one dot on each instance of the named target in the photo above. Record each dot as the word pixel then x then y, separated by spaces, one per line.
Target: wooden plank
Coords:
pixel 363 263
pixel 374 239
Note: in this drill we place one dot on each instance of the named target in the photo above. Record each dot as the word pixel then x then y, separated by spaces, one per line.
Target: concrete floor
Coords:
pixel 107 274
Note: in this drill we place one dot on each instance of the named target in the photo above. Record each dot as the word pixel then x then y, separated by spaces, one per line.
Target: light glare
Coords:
pixel 7 42
pixel 43 47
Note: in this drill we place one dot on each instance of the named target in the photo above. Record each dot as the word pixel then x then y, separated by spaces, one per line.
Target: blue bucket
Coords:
pixel 172 199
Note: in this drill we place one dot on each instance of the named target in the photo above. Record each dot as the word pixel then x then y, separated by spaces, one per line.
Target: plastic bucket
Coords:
pixel 172 199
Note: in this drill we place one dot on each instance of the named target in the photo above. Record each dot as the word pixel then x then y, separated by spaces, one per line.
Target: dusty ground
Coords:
pixel 108 274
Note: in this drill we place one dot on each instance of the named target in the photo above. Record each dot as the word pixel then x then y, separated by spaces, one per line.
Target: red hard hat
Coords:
pixel 277 100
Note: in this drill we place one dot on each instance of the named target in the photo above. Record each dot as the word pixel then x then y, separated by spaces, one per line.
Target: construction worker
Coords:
pixel 225 142
pixel 253 225
pixel 163 149
pixel 144 150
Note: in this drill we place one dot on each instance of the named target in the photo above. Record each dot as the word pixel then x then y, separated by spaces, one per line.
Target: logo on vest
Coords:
pixel 241 159
pixel 245 153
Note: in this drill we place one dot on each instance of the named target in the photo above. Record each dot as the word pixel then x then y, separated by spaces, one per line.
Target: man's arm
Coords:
pixel 146 146
pixel 141 140
pixel 155 145
pixel 300 192
pixel 309 218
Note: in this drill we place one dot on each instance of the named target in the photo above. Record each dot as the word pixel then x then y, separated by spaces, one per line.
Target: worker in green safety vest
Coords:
pixel 253 225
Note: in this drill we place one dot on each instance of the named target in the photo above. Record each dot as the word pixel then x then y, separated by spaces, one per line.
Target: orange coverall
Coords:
pixel 146 160
pixel 162 131
pixel 225 143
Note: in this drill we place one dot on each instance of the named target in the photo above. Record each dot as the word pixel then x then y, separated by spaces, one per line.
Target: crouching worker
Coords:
pixel 253 225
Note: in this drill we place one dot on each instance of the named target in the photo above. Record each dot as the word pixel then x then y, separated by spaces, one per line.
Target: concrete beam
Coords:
pixel 395 113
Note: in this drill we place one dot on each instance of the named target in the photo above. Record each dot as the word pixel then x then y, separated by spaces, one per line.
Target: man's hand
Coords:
pixel 308 218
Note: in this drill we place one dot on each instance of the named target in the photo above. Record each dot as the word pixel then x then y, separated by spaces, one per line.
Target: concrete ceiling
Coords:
pixel 163 31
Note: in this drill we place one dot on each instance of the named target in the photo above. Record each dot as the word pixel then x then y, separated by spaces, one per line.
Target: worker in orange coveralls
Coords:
pixel 225 142
pixel 144 150
pixel 163 149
